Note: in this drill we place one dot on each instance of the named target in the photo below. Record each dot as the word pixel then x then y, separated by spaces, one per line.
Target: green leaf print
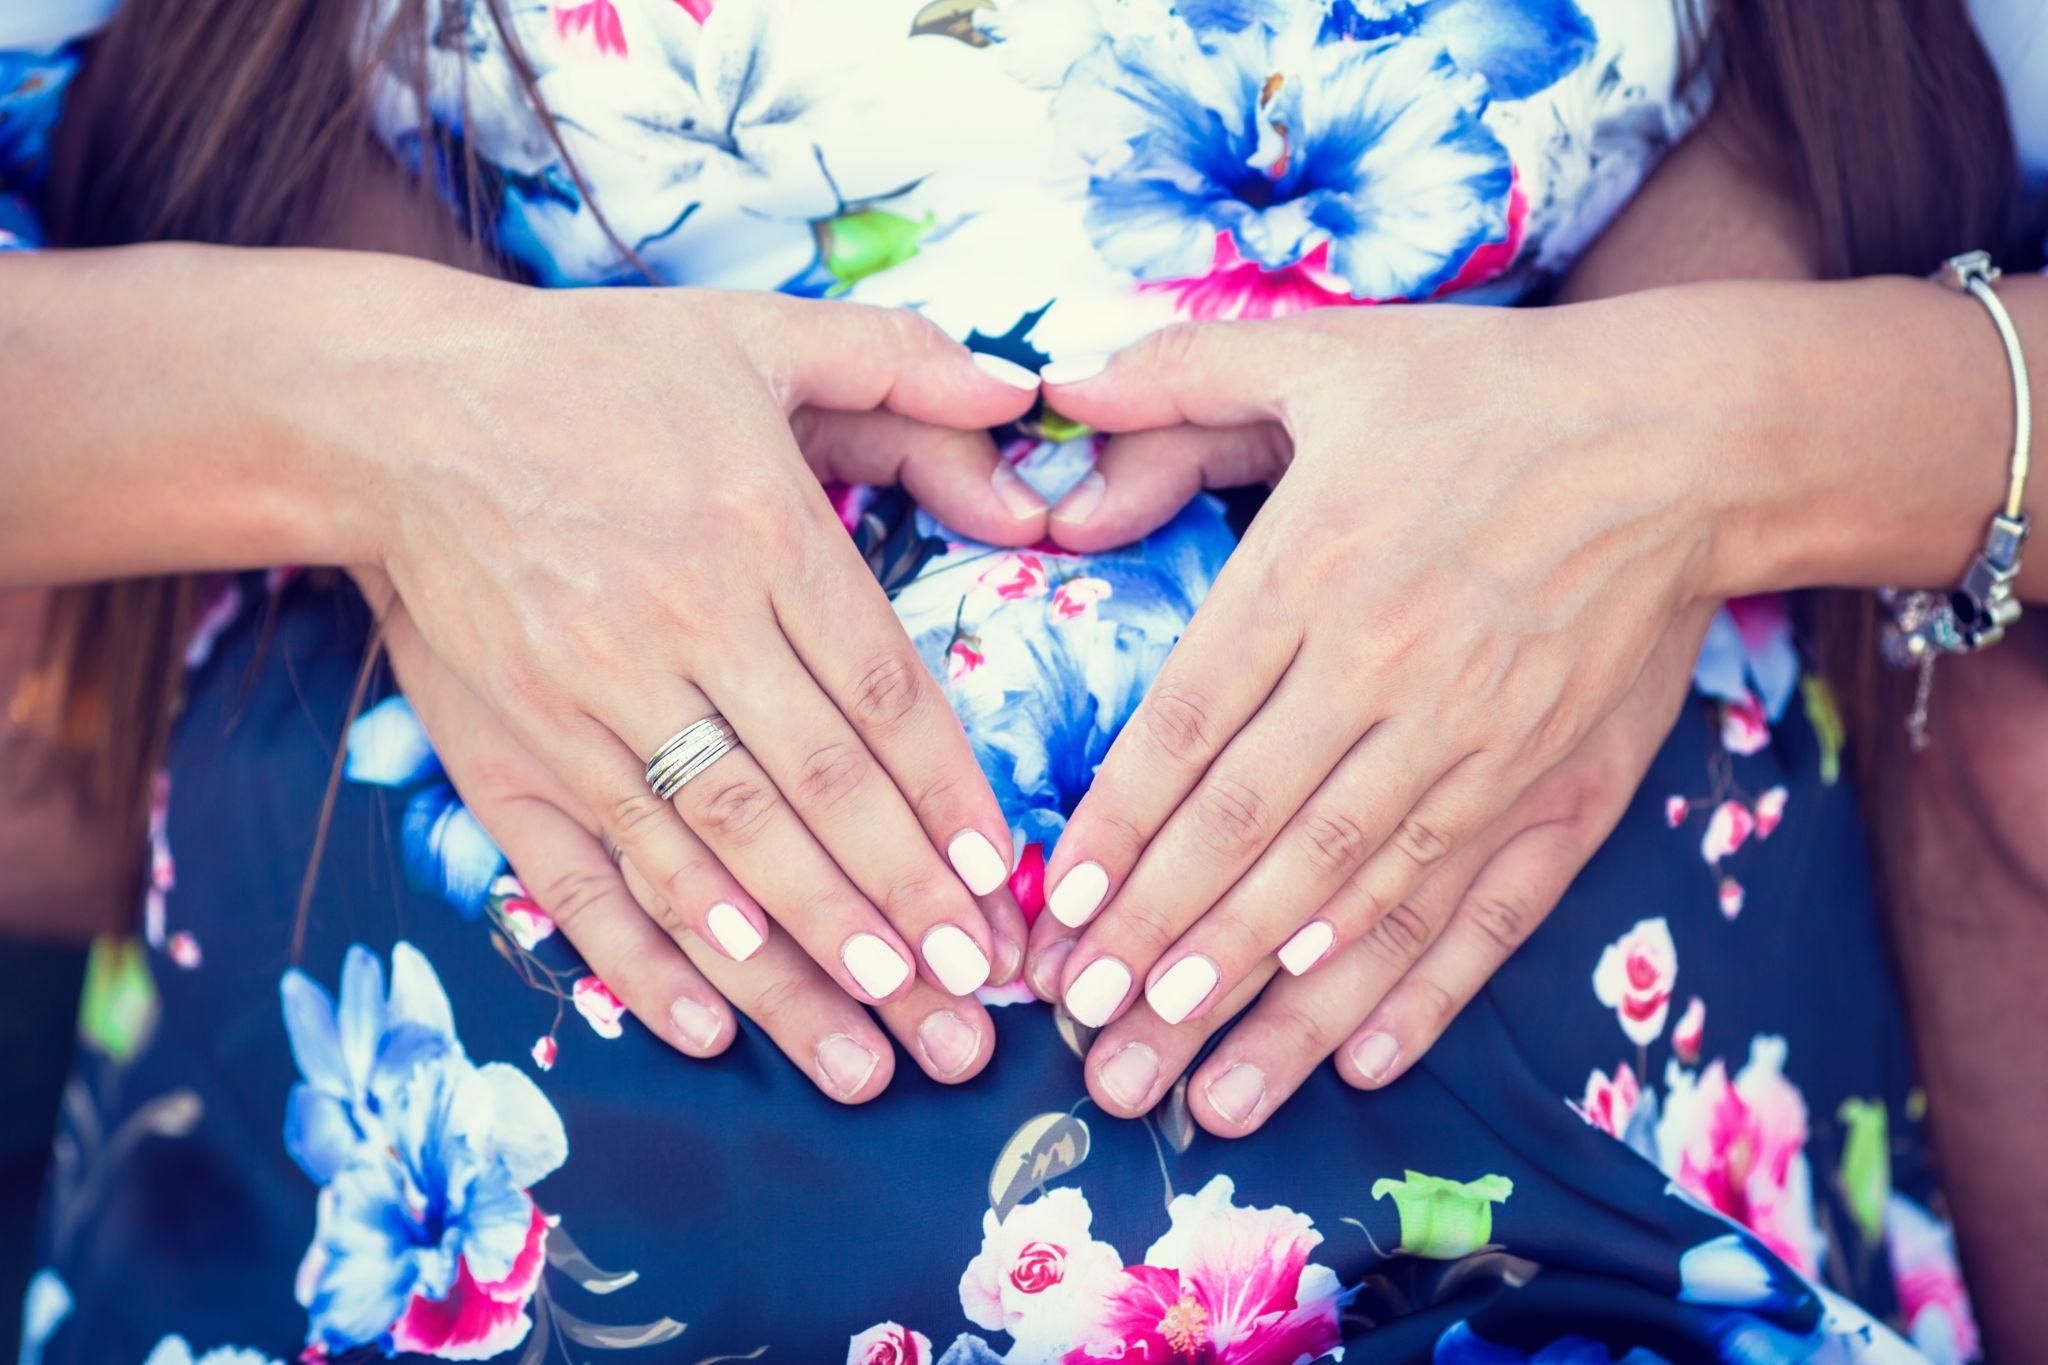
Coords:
pixel 1826 719
pixel 117 1008
pixel 1866 1165
pixel 1444 1219
pixel 857 245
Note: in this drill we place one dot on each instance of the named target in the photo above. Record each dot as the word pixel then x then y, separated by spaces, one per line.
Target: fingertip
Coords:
pixel 1046 968
pixel 1008 373
pixel 698 1029
pixel 953 1046
pixel 1126 1081
pixel 1372 1059
pixel 853 1069
pixel 1230 1100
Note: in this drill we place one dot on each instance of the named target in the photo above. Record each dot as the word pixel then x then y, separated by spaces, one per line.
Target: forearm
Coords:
pixel 177 408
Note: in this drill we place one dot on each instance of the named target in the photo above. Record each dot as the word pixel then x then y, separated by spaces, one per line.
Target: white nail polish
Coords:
pixel 846 1064
pixel 874 964
pixel 1005 371
pixel 1074 368
pixel 955 959
pixel 734 932
pixel 1098 990
pixel 1307 947
pixel 1078 895
pixel 977 862
pixel 1181 987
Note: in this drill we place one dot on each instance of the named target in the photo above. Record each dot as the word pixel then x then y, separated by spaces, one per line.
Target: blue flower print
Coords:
pixel 425 1158
pixel 446 852
pixel 1376 151
pixel 1521 47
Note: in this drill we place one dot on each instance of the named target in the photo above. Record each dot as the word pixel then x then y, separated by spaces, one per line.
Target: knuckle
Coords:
pixel 1432 1002
pixel 1177 721
pixel 941 804
pixel 1230 815
pixel 1422 841
pixel 1333 841
pixel 1502 920
pixel 569 895
pixel 1146 927
pixel 888 692
pixel 830 774
pixel 738 811
pixel 919 898
pixel 1308 1033
pixel 636 815
pixel 1398 937
pixel 778 1005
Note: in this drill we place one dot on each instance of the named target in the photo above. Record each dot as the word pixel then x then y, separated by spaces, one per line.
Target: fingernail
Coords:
pixel 1009 957
pixel 1130 1075
pixel 1237 1093
pixel 948 1042
pixel 846 1064
pixel 874 964
pixel 1308 945
pixel 733 931
pixel 1047 967
pixel 1181 987
pixel 1081 500
pixel 1375 1055
pixel 1098 990
pixel 1073 369
pixel 1078 894
pixel 698 1025
pixel 976 859
pixel 1005 371
pixel 1019 499
pixel 955 959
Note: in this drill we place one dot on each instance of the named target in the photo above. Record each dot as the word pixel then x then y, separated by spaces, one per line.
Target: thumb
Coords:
pixel 852 357
pixel 1143 478
pixel 1205 373
pixel 957 476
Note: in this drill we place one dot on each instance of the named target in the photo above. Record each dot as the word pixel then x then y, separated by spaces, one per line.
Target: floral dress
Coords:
pixel 1681 1124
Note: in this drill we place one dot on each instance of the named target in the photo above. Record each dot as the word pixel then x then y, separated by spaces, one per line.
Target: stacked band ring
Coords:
pixel 688 752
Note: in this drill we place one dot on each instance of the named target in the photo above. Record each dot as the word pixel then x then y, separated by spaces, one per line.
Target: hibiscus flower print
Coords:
pixel 1634 978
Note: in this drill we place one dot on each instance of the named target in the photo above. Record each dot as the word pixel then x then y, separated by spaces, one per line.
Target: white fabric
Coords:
pixel 36 25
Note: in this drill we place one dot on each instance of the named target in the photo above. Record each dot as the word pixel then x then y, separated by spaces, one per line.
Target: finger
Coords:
pixel 803 1011
pixel 742 817
pixel 880 767
pixel 489 766
pixel 957 476
pixel 853 357
pixel 1268 769
pixel 1143 478
pixel 1207 374
pixel 566 870
pixel 950 1037
pixel 1366 830
pixel 1045 956
pixel 1010 932
pixel 1135 1061
pixel 1511 896
pixel 1218 675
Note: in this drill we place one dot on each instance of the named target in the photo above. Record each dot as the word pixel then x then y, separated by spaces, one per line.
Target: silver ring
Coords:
pixel 688 752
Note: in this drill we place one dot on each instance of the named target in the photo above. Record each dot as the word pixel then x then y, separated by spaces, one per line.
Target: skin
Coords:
pixel 1413 631
pixel 543 541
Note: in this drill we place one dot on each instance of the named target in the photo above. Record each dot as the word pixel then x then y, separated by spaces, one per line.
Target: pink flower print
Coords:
pixel 183 950
pixel 1224 1286
pixel 1076 598
pixel 1609 1104
pixel 1770 809
pixel 700 10
pixel 1728 829
pixel 1740 1147
pixel 849 500
pixel 599 20
pixel 1932 1297
pixel 476 1321
pixel 963 658
pixel 1729 894
pixel 1016 576
pixel 1027 882
pixel 1238 288
pixel 1676 809
pixel 889 1343
pixel 1634 978
pixel 525 921
pixel 1690 1031
pixel 1040 1275
pixel 545 1050
pixel 596 1003
pixel 1744 728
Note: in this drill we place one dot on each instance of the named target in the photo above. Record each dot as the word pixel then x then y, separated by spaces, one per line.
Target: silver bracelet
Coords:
pixel 1974 614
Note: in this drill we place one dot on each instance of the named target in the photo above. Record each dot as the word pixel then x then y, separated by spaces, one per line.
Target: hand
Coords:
pixel 594 509
pixel 1436 604
pixel 672 980
pixel 1384 999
